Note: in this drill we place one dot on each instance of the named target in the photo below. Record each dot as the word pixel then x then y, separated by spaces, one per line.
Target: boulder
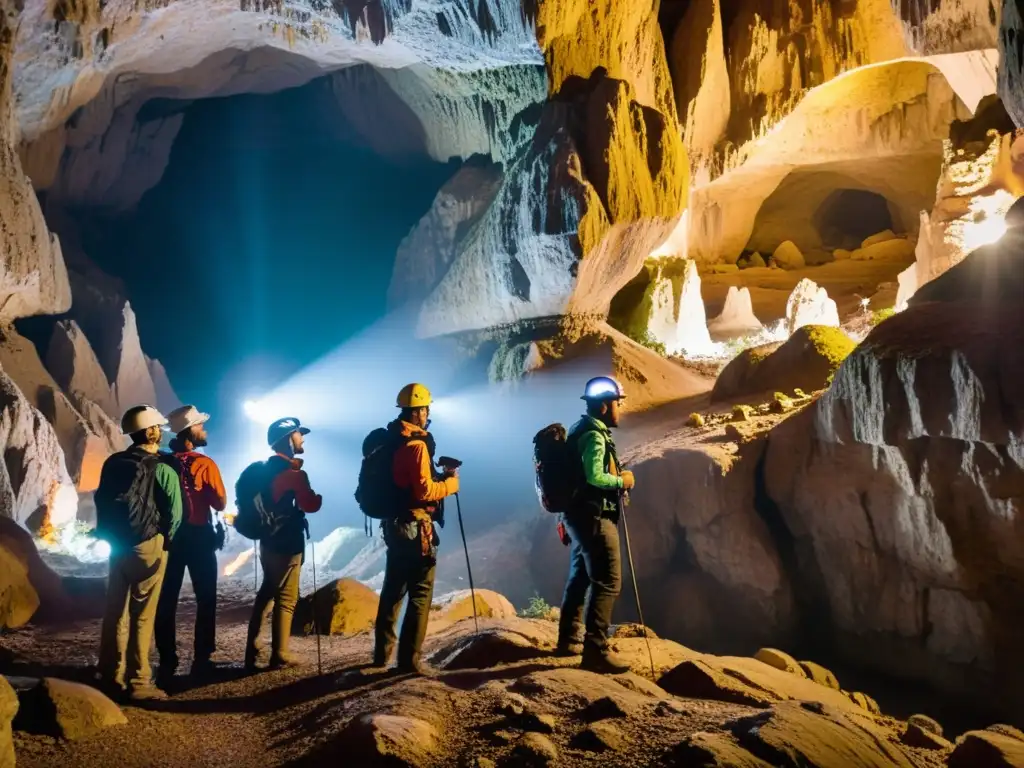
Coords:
pixel 488 648
pixel 788 256
pixel 810 305
pixel 18 598
pixel 841 254
pixel 8 710
pixel 458 605
pixel 66 710
pixel 387 740
pixel 757 261
pixel 865 702
pixel 599 737
pixel 792 735
pixel 880 237
pixel 699 680
pixel 35 487
pixel 780 660
pixel 343 607
pixel 897 249
pixel 819 674
pixel 987 749
pixel 807 361
pixel 897 486
pixel 534 750
pixel 923 738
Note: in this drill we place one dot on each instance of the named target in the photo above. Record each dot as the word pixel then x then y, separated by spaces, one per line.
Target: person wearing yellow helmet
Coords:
pixel 410 534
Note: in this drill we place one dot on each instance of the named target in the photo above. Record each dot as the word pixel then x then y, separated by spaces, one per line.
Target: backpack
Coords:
pixel 558 469
pixel 256 518
pixel 377 494
pixel 129 516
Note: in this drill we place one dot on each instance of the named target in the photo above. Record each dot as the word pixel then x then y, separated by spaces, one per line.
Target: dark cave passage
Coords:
pixel 271 235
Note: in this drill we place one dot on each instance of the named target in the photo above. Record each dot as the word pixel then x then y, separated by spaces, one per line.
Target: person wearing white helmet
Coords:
pixel 194 548
pixel 592 525
pixel 138 511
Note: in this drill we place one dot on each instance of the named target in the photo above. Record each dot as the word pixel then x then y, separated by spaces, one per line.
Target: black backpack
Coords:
pixel 377 494
pixel 558 468
pixel 256 518
pixel 129 516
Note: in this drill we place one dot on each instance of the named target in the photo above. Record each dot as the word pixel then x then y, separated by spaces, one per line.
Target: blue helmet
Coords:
pixel 602 388
pixel 281 428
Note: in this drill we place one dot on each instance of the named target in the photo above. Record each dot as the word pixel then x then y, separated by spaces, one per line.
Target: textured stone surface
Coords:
pixel 35 488
pixel 737 317
pixel 810 305
pixel 71 361
pixel 65 709
pixel 18 598
pixel 899 488
pixel 343 607
pixel 8 709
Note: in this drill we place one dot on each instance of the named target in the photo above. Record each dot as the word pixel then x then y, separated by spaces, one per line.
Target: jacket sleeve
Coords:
pixel 592 449
pixel 297 481
pixel 168 498
pixel 210 483
pixel 423 486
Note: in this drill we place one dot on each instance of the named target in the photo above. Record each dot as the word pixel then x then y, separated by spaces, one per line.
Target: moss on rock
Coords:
pixel 806 361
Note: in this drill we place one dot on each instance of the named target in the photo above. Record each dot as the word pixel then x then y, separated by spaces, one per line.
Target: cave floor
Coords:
pixel 293 717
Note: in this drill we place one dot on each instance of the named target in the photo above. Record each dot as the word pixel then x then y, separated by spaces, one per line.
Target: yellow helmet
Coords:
pixel 413 396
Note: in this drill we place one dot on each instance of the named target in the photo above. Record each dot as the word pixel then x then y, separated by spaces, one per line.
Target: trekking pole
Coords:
pixel 312 605
pixel 636 592
pixel 469 570
pixel 255 567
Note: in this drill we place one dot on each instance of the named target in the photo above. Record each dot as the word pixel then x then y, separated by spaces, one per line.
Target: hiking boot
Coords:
pixel 285 662
pixel 165 676
pixel 147 693
pixel 603 664
pixel 251 657
pixel 568 649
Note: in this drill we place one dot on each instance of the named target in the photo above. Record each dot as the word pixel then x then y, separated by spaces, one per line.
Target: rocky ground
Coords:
pixel 499 696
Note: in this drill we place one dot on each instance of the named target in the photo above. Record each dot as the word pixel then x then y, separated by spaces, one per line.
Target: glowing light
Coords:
pixel 864 303
pixel 601 387
pixel 259 411
pixel 238 562
pixel 988 223
pixel 101 549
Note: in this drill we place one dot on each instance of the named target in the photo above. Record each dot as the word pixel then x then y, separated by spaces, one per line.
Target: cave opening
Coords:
pixel 271 234
pixel 846 217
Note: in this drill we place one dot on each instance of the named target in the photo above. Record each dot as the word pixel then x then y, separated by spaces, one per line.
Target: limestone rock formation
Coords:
pixel 810 305
pixel 788 256
pixel 73 364
pixel 35 488
pixel 737 317
pixel 65 709
pixel 979 182
pixel 1011 60
pixel 807 360
pixel 85 440
pixel 166 398
pixel 923 428
pixel 343 607
pixel 126 365
pixel 33 279
pixel 426 253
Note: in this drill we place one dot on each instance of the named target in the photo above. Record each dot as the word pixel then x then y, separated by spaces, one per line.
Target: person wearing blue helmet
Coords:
pixel 592 525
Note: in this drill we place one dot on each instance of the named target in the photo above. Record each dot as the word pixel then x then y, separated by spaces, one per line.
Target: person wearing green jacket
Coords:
pixel 138 511
pixel 592 525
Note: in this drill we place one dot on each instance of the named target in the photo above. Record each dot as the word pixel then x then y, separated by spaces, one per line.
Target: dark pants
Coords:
pixel 195 548
pixel 570 622
pixel 406 572
pixel 597 564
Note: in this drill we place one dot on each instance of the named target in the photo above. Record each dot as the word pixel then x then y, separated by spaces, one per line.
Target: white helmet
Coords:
pixel 141 417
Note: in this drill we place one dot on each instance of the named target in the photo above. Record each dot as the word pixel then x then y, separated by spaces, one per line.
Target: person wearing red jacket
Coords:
pixel 410 537
pixel 283 552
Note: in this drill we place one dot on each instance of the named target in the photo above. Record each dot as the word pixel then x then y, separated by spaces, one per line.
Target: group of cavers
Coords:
pixel 157 510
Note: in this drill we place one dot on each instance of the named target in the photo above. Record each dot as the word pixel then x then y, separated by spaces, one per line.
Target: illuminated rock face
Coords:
pixel 810 305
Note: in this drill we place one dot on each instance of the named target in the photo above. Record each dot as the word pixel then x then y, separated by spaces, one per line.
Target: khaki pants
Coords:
pixel 280 585
pixel 133 589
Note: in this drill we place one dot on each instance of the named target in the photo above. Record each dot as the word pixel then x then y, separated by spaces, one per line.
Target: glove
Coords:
pixel 563 534
pixel 627 480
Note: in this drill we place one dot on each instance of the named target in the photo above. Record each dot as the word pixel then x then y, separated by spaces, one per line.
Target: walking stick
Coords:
pixel 312 603
pixel 632 572
pixel 469 569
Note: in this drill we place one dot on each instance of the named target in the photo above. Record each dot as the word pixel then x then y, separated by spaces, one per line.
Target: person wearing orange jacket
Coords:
pixel 411 537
